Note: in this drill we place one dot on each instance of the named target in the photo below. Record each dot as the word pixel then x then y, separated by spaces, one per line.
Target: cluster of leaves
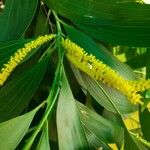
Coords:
pixel 50 104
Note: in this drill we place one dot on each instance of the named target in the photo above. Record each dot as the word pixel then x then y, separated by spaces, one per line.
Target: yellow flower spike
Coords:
pixel 141 85
pixel 99 71
pixel 20 55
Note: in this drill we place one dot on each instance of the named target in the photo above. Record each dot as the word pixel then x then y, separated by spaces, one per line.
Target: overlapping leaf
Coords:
pixel 116 22
pixel 16 94
pixel 102 128
pixel 99 51
pixel 16 17
pixel 94 141
pixel 42 27
pixel 12 131
pixel 44 140
pixel 120 101
pixel 132 143
pixel 145 123
pixel 70 131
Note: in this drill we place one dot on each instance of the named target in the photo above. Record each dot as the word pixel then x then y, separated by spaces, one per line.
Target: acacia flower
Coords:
pixel 21 53
pixel 99 71
pixel 141 85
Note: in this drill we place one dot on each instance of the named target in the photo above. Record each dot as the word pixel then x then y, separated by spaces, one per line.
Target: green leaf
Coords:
pixel 138 61
pixel 102 12
pixel 44 140
pixel 94 141
pixel 70 131
pixel 12 131
pixel 114 22
pixel 102 128
pixel 95 89
pixel 145 123
pixel 119 100
pixel 99 51
pixel 16 94
pixel 119 36
pixel 132 143
pixel 42 27
pixel 16 18
pixel 7 49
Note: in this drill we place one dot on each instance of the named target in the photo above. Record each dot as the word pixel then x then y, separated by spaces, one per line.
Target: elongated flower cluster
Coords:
pixel 20 55
pixel 99 71
pixel 141 85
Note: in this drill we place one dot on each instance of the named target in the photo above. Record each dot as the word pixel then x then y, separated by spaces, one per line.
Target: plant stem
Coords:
pixel 59 36
pixel 52 98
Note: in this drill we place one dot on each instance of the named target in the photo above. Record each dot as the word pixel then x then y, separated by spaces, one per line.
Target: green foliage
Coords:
pixel 47 103
pixel 69 126
pixel 113 22
pixel 145 122
pixel 12 131
pixel 17 93
pixel 16 18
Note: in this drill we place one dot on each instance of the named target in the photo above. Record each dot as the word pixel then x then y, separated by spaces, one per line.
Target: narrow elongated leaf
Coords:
pixel 119 100
pixel 70 131
pixel 94 141
pixel 42 27
pixel 131 143
pixel 44 140
pixel 16 17
pixel 16 94
pixel 145 123
pixel 95 90
pixel 12 131
pixel 115 22
pixel 105 130
pixel 112 12
pixel 118 37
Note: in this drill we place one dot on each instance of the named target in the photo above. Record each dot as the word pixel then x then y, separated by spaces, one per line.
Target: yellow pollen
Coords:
pixel 99 71
pixel 21 53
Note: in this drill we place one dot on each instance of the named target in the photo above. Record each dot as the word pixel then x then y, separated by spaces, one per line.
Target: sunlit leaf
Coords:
pixel 95 89
pixel 94 141
pixel 12 131
pixel 102 128
pixel 44 140
pixel 70 131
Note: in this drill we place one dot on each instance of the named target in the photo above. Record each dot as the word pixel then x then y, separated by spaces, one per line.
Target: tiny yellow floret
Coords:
pixel 20 55
pixel 141 85
pixel 99 71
